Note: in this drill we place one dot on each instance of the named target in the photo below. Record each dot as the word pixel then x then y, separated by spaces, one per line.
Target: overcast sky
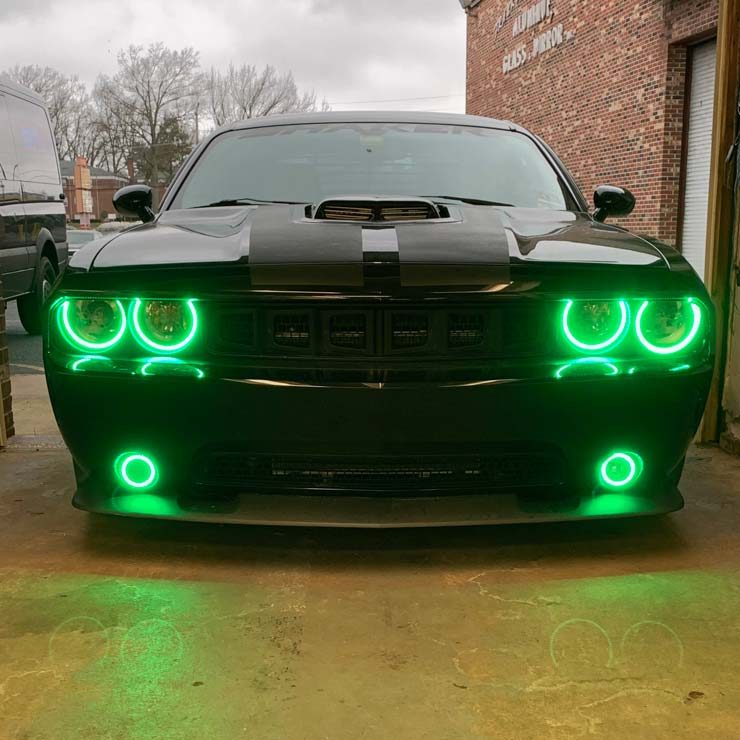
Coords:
pixel 346 50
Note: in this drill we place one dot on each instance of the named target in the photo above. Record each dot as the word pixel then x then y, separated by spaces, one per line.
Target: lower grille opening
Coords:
pixel 405 474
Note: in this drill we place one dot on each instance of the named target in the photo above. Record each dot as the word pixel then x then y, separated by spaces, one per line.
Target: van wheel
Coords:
pixel 31 306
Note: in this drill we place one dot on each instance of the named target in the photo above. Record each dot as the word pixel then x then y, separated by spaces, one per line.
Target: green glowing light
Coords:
pixel 150 343
pixel 145 504
pixel 620 470
pixel 596 362
pixel 616 336
pixel 680 368
pixel 64 321
pixel 613 504
pixel 170 366
pixel 687 340
pixel 136 470
pixel 79 365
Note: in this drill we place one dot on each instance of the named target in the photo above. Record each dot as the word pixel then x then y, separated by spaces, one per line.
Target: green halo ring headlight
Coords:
pixel 620 470
pixel 165 326
pixel 136 471
pixel 605 321
pixel 94 324
pixel 673 325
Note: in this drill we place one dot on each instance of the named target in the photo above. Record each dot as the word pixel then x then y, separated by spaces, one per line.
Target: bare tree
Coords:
pixel 245 92
pixel 114 127
pixel 149 88
pixel 68 103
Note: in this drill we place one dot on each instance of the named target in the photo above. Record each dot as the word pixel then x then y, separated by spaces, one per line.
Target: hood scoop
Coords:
pixel 377 209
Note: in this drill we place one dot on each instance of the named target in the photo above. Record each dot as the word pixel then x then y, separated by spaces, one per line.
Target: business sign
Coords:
pixel 83 191
pixel 534 17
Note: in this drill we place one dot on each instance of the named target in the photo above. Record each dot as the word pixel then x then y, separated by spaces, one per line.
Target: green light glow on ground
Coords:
pixel 145 504
pixel 613 504
pixel 148 342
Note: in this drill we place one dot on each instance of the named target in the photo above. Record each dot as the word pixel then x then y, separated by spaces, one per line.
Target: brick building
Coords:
pixel 621 89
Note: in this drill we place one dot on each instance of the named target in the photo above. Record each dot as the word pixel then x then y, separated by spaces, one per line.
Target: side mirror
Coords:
pixel 135 201
pixel 612 201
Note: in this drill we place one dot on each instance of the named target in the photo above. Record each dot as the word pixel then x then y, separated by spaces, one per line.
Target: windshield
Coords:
pixel 307 163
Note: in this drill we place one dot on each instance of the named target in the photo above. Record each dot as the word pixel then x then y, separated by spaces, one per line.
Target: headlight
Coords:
pixel 93 324
pixel 165 326
pixel 593 326
pixel 665 327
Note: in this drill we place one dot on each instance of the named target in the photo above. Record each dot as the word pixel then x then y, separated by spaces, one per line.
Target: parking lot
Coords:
pixel 119 628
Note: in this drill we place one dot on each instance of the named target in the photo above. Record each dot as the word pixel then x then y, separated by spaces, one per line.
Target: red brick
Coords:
pixel 610 101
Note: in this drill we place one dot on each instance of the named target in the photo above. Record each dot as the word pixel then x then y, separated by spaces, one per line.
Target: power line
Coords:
pixel 395 100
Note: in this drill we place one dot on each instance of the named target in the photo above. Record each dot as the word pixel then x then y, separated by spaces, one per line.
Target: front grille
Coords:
pixel 348 331
pixel 465 330
pixel 238 330
pixel 456 332
pixel 409 330
pixel 292 330
pixel 503 470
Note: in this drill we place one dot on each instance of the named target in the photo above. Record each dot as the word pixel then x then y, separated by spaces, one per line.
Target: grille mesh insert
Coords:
pixel 465 330
pixel 396 474
pixel 292 330
pixel 348 331
pixel 409 330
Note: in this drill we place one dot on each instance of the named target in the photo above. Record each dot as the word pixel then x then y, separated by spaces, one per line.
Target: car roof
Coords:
pixel 8 86
pixel 376 116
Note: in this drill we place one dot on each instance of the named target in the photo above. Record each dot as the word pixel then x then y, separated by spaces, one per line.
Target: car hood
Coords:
pixel 279 235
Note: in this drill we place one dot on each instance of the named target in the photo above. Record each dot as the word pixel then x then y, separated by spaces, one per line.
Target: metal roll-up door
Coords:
pixel 698 154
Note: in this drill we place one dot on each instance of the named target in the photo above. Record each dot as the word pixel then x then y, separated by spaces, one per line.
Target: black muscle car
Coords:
pixel 378 319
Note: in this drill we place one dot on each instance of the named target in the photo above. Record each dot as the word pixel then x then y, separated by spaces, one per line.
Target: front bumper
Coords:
pixel 179 420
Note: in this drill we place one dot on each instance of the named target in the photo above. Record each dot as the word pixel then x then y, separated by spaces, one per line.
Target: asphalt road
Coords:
pixel 25 351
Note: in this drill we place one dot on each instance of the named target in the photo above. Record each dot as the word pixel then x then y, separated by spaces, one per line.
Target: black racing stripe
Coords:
pixel 281 235
pixel 286 249
pixel 380 246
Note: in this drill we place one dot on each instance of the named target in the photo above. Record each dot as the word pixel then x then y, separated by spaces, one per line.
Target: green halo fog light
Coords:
pixel 94 324
pixel 592 326
pixel 620 470
pixel 666 327
pixel 136 470
pixel 164 326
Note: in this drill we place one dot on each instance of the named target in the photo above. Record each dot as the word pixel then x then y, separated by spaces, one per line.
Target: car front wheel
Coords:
pixel 31 306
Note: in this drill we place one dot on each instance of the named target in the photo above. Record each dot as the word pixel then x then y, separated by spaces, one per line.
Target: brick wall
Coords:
pixel 609 99
pixel 5 376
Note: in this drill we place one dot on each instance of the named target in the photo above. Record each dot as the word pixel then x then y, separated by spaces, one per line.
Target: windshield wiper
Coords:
pixel 247 202
pixel 470 201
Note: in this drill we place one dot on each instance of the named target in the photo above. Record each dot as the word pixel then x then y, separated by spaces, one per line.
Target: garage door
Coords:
pixel 698 154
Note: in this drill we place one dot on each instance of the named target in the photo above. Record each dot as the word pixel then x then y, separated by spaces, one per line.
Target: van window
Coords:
pixel 37 158
pixel 7 148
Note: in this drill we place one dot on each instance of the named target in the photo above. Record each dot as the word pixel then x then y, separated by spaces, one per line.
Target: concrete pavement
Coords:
pixel 136 629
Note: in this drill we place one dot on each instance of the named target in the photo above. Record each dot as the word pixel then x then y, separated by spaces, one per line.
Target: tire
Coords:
pixel 31 306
